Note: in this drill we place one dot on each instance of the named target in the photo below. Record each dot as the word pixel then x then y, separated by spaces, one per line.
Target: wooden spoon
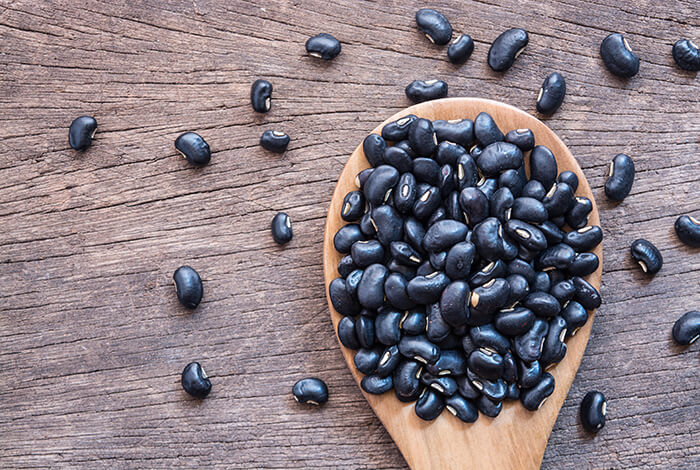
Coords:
pixel 517 438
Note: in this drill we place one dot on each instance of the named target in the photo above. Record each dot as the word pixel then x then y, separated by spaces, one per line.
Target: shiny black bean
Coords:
pixel 274 141
pixel 451 362
pixel 575 317
pixel 510 369
pixel 426 170
pixel 542 304
pixel 388 223
pixel 488 240
pixel 414 323
pixel 486 363
pixel 688 230
pixel 486 336
pixel 489 407
pixel 529 373
pixel 406 379
pixel 519 288
pixel 577 216
pixel 419 349
pixel 459 260
pixel 370 291
pixel 620 177
pixel 398 158
pixel 586 294
pixel 188 286
pixel 406 147
pixel 543 166
pixel 551 232
pixel 486 130
pixel 527 235
pixel 498 157
pixel 513 180
pixel 342 301
pixel 419 91
pixel 386 327
pixel 437 329
pixel 194 148
pixel 493 389
pixel 454 303
pixel 352 281
pixel 551 94
pixel 585 238
pixel 367 225
pixel 376 385
pixel 405 194
pixel 563 291
pixel 324 46
pixel 523 138
pixel 467 174
pixel 353 206
pixel 570 178
pixel 398 130
pixel 686 330
pixel 528 209
pixel 366 252
pixel 427 289
pixel 525 269
pixel 559 256
pixel 513 392
pixel 475 151
pixel 528 346
pixel 534 189
pixel 364 329
pixel 195 381
pixel 447 185
pixel 462 408
pixel 443 235
pixel 347 334
pixel 427 201
pixel 346 236
pixel 422 138
pixel 475 205
pixel 434 25
pixel 389 361
pixel 489 271
pixel 380 183
pixel 506 48
pixel 554 348
pixel 448 152
pixel 429 405
pixel 404 253
pixel 618 56
pixel 373 147
pixel 592 412
pixel 558 200
pixel 83 128
pixel 281 225
pixel 443 384
pixel 438 260
pixel 533 398
pixel 361 178
pixel 647 256
pixel 458 135
pixel 439 214
pixel 460 49
pixel 366 360
pixel 466 389
pixel 346 265
pixel 686 55
pixel 425 269
pixel 260 95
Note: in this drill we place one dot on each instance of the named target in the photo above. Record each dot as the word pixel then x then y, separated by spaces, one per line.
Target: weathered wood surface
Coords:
pixel 92 339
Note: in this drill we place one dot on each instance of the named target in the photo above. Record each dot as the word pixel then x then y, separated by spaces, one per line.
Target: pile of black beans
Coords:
pixel 462 277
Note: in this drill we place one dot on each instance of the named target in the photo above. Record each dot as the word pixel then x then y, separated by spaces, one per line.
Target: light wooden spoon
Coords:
pixel 517 438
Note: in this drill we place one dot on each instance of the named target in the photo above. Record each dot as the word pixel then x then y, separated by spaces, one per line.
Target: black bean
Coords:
pixel 575 317
pixel 519 288
pixel 347 334
pixel 686 330
pixel 81 132
pixel 563 291
pixel 389 361
pixel 352 281
pixel 429 405
pixel 373 147
pixel 281 226
pixel 427 170
pixel 406 378
pixel 475 205
pixel 686 55
pixel 194 148
pixel 261 95
pixel 370 292
pixel 427 289
pixel 195 381
pixel 523 138
pixel 346 236
pixel 487 238
pixel 592 412
pixel 437 329
pixel 414 233
pixel 529 373
pixel 514 321
pixel 513 392
pixel 486 130
pixel 395 288
pixel 324 46
pixel 434 25
pixel 551 232
pixel 462 408
pixel 584 238
pixel 647 256
pixel 459 132
pixel 486 363
pixel 543 166
pixel 448 152
pixel 427 201
pixel 524 268
pixel 489 271
pixel 405 254
pixel 688 230
pixel 398 158
pixel 353 206
pixel 398 130
pixel 459 260
pixel 586 294
pixel 422 138
pixel 618 56
pixel 386 327
pixel 419 349
pixel 493 389
pixel 513 180
pixel 551 94
pixel 438 260
pixel 486 336
pixel 467 174
pixel 388 224
pixel 405 194
pixel 454 303
pixel 534 189
pixel 460 49
pixel 342 301
pixel 189 287
pixel 447 185
pixel 527 235
pixel 346 265
pixel 542 304
pixel 364 329
pixel 414 322
pixel 366 360
pixel 558 200
pixel 419 91
pixel 274 141
pixel 558 256
pixel 444 385
pixel 528 346
pixel 439 214
pixel 451 362
pixel 577 216
pixel 533 398
pixel 489 407
pixel 498 157
pixel 443 235
pixel 376 385
pixel 554 348
pixel 506 48
pixel 361 178
pixel 367 225
pixel 568 177
pixel 620 177
pixel 528 209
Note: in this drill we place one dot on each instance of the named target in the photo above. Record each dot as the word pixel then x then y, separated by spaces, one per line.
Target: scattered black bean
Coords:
pixel 189 286
pixel 461 49
pixel 647 256
pixel 81 132
pixel 281 226
pixel 419 91
pixel 193 148
pixel 620 177
pixel 310 390
pixel 324 46
pixel 593 410
pixel 195 381
pixel 506 48
pixel 686 330
pixel 618 56
pixel 686 55
pixel 462 408
pixel 261 95
pixel 551 94
pixel 688 230
pixel 274 141
pixel 434 25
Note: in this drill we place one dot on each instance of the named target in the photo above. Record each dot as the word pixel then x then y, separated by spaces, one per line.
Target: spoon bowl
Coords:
pixel 517 438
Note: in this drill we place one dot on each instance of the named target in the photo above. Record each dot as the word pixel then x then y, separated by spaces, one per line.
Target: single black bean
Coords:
pixel 195 381
pixel 475 205
pixel 558 200
pixel 389 361
pixel 575 317
pixel 551 94
pixel 261 95
pixel 422 138
pixel 551 232
pixel 428 200
pixel 353 206
pixel 519 288
pixel 406 379
pixel 686 330
pixel 542 304
pixel 506 48
pixel 386 327
pixel 486 336
pixel 443 235
pixel 437 329
pixel 366 360
pixel 489 407
pixel 559 256
pixel 527 235
pixel 510 368
pixel 419 91
pixel 346 236
pixel 281 227
pixel 347 334
pixel 592 412
pixel 467 174
pixel 447 151
pixel 398 130
pixel 620 177
pixel 528 346
pixel 618 56
pixel 529 373
pixel 493 389
pixel 342 301
pixel 323 46
pixel 434 25
pixel 454 303
pixel 419 349
pixel 459 260
pixel 486 130
pixel 533 398
pixel 647 256
pixel 458 132
pixel 398 158
pixel 346 265
pixel 534 189
pixel 524 268
pixel 447 185
pixel 451 362
pixel 364 329
pixel 488 240
pixel 405 194
pixel 427 170
pixel 514 180
pixel 427 289
pixel 404 253
pixel 439 214
pixel 429 405
pixel 523 138
pixel 563 291
pixel 686 55
pixel 513 392
pixel 577 216
pixel 443 384
pixel 498 157
pixel 554 348
pixel 380 183
pixel 189 287
pixel 274 141
pixel 585 238
pixel 487 272
pixel 370 292
pixel 543 166
pixel 486 363
pixel 568 177
pixel 586 294
pixel 388 224
pixel 528 209
pixel 438 260
pixel 414 322
pixel 460 49
pixel 194 148
pixel 376 385
pixel 361 178
pixel 462 408
pixel 688 230
pixel 81 132
pixel 352 281
pixel 373 147
pixel 367 225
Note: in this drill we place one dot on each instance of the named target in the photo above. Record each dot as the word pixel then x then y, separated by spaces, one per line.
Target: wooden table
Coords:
pixel 92 339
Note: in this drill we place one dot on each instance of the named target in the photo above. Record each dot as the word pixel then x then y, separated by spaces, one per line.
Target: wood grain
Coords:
pixel 516 438
pixel 92 339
